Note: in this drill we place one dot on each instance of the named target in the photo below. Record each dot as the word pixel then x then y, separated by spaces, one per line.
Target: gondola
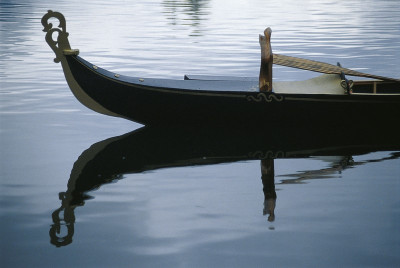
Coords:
pixel 330 99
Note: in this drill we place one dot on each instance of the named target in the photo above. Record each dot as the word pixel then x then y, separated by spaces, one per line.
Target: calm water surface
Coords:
pixel 161 211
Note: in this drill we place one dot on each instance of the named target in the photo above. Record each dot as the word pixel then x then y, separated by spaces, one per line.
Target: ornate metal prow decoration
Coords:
pixel 60 47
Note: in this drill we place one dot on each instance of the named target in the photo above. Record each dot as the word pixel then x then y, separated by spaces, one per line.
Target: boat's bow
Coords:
pixel 62 49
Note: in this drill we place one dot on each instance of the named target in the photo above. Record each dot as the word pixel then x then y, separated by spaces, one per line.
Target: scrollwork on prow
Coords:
pixel 62 42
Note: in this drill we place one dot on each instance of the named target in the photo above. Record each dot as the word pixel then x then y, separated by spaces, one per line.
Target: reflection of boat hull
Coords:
pixel 153 148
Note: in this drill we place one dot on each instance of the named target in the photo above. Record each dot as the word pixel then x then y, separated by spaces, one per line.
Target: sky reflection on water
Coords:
pixel 189 216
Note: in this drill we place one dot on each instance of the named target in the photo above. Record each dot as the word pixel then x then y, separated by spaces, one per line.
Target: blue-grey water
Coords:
pixel 330 212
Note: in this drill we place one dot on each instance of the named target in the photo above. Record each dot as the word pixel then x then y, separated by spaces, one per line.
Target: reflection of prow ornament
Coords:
pixel 67 221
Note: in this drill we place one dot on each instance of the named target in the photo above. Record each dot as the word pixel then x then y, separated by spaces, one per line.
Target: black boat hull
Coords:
pixel 150 104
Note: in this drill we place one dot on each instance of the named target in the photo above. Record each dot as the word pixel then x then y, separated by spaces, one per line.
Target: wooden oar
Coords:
pixel 322 67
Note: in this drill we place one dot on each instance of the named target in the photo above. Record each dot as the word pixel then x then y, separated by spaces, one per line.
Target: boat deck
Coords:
pixel 323 84
pixel 367 86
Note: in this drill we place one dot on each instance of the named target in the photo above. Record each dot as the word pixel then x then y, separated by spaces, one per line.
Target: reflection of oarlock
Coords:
pixel 268 181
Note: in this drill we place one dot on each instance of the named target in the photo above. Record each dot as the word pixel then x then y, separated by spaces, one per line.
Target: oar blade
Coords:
pixel 322 67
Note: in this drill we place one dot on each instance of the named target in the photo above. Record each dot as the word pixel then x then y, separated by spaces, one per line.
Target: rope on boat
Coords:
pixel 322 67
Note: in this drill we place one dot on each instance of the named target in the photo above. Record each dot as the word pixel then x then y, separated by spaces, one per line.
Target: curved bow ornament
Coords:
pixel 60 46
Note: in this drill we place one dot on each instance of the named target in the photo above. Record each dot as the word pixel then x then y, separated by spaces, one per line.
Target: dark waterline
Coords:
pixel 166 198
